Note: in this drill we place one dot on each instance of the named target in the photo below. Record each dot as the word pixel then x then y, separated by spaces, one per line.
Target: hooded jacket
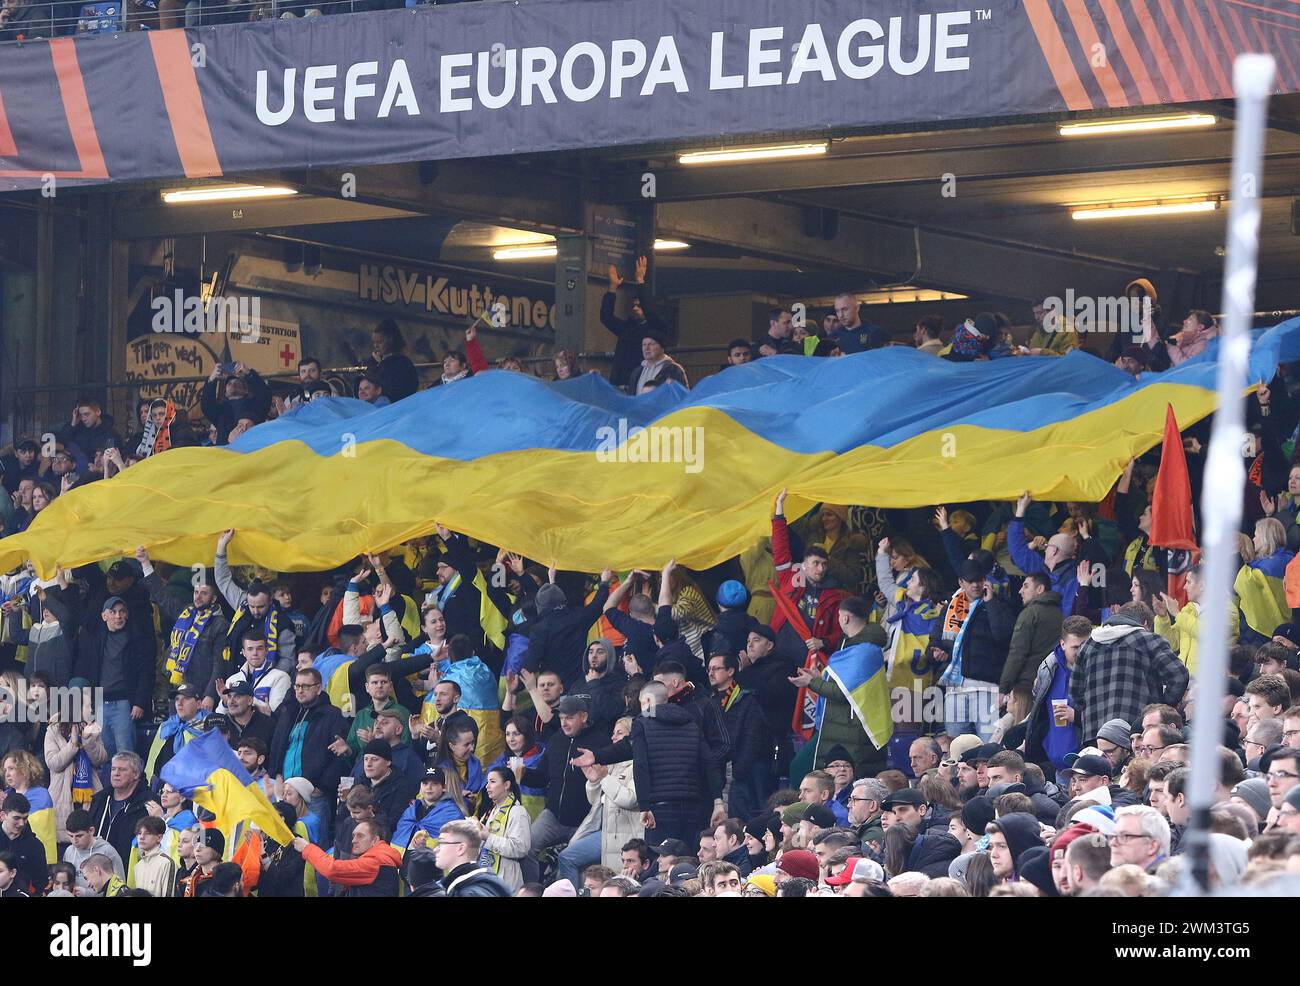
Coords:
pixel 606 692
pixel 933 853
pixel 1021 832
pixel 1122 668
pixel 558 640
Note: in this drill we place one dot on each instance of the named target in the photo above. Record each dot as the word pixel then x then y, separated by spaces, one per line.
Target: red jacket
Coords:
pixel 826 624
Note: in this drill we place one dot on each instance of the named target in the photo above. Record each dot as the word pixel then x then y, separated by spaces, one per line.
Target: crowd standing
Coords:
pixel 447 718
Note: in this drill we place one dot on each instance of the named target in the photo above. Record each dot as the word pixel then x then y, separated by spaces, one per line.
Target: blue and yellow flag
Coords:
pixel 42 822
pixel 1261 590
pixel 859 671
pixel 208 772
pixel 333 670
pixel 577 473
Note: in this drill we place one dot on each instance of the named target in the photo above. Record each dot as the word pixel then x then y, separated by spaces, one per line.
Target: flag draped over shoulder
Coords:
pixel 563 471
pixel 42 823
pixel 859 671
pixel 1260 586
pixel 208 772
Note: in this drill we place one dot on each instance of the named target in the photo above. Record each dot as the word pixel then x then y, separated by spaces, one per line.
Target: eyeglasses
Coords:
pixel 860 800
pixel 1123 837
pixel 1148 749
pixel 1278 775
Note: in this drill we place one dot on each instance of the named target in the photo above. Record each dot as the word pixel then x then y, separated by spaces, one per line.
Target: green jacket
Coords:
pixel 365 719
pixel 839 725
pixel 1037 632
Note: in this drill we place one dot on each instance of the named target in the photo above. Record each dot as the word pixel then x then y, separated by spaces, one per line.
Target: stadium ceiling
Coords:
pixel 977 209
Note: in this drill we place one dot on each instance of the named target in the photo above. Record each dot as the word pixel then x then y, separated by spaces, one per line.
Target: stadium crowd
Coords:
pixel 448 718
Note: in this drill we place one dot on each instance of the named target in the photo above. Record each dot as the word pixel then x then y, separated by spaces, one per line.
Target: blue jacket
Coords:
pixel 1065 577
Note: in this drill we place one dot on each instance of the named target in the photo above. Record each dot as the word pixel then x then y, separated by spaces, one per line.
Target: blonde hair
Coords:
pixel 1271 532
pixel 1245 548
pixel 29 766
pixel 455 788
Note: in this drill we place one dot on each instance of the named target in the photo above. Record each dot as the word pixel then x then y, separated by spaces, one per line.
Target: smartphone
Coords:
pixel 227 369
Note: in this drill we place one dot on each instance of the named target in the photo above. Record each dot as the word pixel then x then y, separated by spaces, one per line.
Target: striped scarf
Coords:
pixel 728 698
pixel 953 675
pixel 496 825
pixel 185 636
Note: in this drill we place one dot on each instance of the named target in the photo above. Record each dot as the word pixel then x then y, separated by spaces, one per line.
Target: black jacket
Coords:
pixel 391 797
pixel 30 851
pixel 396 374
pixel 627 350
pixel 671 760
pixel 984 647
pixel 115 823
pixel 558 640
pixel 750 737
pixel 469 880
pixel 91 440
pixel 207 649
pixel 324 723
pixel 730 635
pixel 566 785
pixel 226 414
pixel 462 610
pixel 137 663
pixel 607 703
pixel 769 680
pixel 707 713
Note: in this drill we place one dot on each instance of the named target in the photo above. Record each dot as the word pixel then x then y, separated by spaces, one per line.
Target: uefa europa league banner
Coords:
pixel 491 78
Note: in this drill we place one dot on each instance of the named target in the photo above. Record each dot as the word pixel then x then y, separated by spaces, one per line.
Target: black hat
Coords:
pixel 434 774
pixel 981 754
pixel 819 815
pixel 759 825
pixel 218 721
pixel 1139 354
pixel 378 748
pixel 972 571
pixel 837 752
pixel 123 569
pixel 185 690
pixel 904 796
pixel 571 704
pixel 671 847
pixel 1092 766
pixel 1289 631
pixel 764 631
pixel 977 813
pixel 680 873
pixel 1035 866
pixel 241 687
pixel 214 840
pixel 657 336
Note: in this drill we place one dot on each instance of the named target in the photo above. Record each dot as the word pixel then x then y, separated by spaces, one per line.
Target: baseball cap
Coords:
pixel 241 687
pixel 433 774
pixel 1091 766
pixel 123 569
pixel 572 704
pixel 112 601
pixel 959 745
pixel 680 873
pixel 186 690
pixel 972 571
pixel 671 847
pixel 819 815
pixel 982 753
pixel 904 796
pixel 857 868
pixel 1087 751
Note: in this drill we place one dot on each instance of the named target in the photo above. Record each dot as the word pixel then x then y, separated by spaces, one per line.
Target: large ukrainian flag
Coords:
pixel 859 671
pixel 558 472
pixel 208 772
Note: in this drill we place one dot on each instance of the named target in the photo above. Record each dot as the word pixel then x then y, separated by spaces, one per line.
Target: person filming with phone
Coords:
pixel 234 399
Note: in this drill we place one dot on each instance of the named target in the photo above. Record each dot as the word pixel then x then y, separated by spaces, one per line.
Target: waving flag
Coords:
pixel 859 671
pixel 208 772
pixel 563 472
pixel 41 821
pixel 1172 523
